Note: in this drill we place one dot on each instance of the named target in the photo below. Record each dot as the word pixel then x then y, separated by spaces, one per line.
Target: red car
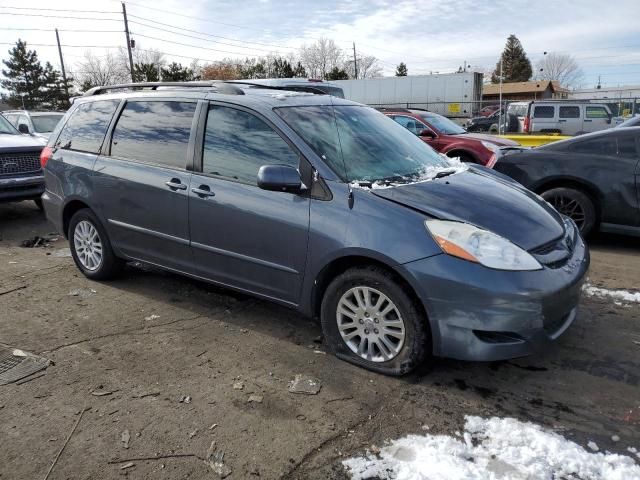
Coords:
pixel 449 138
pixel 488 110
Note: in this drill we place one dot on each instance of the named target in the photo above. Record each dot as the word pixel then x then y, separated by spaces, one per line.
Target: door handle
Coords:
pixel 203 191
pixel 587 120
pixel 175 184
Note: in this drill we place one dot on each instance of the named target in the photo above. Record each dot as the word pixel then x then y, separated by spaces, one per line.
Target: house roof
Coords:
pixel 523 87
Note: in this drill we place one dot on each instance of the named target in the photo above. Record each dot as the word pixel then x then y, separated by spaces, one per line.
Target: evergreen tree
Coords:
pixel 24 77
pixel 401 70
pixel 146 72
pixel 516 67
pixel 54 96
pixel 299 71
pixel 177 73
pixel 337 74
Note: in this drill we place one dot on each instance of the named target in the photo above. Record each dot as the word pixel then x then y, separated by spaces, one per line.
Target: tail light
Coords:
pixel 492 161
pixel 45 155
pixel 527 122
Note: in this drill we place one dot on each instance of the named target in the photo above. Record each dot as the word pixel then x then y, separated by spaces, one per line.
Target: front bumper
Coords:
pixel 477 313
pixel 23 187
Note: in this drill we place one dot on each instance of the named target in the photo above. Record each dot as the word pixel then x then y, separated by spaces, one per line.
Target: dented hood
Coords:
pixel 486 201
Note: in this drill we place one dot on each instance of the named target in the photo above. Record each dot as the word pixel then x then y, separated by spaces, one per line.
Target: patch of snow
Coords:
pixel 454 165
pixel 492 449
pixel 617 295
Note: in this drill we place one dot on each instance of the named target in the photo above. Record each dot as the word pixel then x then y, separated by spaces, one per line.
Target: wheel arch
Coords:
pixel 70 208
pixel 459 151
pixel 588 189
pixel 341 264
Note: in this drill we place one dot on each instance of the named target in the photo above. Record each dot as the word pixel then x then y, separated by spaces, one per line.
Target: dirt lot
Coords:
pixel 126 352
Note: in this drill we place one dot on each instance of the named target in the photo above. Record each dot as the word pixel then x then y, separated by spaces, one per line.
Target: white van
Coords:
pixel 564 117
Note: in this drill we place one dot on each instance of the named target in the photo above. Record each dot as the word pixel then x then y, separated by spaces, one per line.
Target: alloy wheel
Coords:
pixel 370 324
pixel 570 207
pixel 88 245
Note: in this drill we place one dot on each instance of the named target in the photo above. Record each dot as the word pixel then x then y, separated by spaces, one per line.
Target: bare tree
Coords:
pixel 321 57
pixel 561 67
pixel 99 70
pixel 368 67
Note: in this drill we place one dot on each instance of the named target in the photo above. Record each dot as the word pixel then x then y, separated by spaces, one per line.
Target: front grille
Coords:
pixel 13 163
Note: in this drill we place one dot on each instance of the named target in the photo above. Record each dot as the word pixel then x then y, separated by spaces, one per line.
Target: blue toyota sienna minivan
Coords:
pixel 320 204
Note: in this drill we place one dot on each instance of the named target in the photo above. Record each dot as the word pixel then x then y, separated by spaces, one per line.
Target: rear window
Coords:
pixel 544 111
pixel 154 132
pixel 597 146
pixel 570 112
pixel 87 126
pixel 517 110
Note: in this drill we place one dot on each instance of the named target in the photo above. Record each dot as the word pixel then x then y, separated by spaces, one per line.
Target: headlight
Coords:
pixel 490 146
pixel 480 246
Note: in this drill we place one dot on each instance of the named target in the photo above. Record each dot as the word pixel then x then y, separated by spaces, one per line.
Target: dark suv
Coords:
pixel 319 204
pixel 20 173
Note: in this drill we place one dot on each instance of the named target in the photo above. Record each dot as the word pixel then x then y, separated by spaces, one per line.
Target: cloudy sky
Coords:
pixel 428 35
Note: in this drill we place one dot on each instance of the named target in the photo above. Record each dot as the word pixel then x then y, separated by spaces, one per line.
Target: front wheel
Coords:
pixel 90 247
pixel 369 319
pixel 575 205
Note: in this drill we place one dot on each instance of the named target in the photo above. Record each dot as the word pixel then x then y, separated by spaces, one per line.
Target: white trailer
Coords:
pixel 456 95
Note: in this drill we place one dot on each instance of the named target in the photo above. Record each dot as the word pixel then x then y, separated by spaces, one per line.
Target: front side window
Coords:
pixel 86 127
pixel 154 132
pixel 411 124
pixel 544 111
pixel 596 112
pixel 238 143
pixel 13 119
pixel 360 143
pixel 46 123
pixel 570 112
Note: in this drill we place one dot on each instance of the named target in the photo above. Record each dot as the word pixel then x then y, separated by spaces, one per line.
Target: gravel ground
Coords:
pixel 127 352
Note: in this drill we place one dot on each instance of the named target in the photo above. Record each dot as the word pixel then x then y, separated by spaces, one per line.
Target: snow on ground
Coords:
pixel 492 449
pixel 617 295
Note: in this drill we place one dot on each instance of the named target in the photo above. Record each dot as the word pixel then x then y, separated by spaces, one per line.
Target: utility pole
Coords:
pixel 355 62
pixel 126 31
pixel 64 74
pixel 500 101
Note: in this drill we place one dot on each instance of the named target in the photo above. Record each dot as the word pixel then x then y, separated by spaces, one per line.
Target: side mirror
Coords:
pixel 279 178
pixel 425 132
pixel 23 128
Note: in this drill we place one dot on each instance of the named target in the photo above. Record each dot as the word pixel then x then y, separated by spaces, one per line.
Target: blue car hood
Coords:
pixel 485 200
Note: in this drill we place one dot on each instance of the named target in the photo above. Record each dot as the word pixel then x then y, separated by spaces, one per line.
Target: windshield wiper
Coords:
pixel 445 173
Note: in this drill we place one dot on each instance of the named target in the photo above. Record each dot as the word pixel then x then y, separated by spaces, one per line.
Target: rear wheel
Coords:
pixel 90 247
pixel 369 319
pixel 38 202
pixel 574 204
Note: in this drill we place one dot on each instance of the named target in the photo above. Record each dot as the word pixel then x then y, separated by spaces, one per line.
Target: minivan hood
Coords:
pixel 16 141
pixel 486 201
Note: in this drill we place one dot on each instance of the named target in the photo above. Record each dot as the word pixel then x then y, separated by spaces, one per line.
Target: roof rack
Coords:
pixel 217 85
pixel 291 88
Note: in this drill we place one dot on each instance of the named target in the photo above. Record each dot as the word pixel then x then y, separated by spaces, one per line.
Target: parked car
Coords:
pixel 567 117
pixel 319 204
pixel 591 178
pixel 487 123
pixel 448 137
pixel 488 110
pixel 20 173
pixel 630 122
pixel 40 124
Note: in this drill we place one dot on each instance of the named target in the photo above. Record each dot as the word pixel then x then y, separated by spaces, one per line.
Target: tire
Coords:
pixel 38 202
pixel 575 204
pixel 493 128
pixel 405 354
pixel 109 266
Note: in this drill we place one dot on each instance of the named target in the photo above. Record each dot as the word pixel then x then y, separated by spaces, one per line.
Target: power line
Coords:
pixel 63 45
pixel 60 30
pixel 59 10
pixel 189 45
pixel 203 33
pixel 60 16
